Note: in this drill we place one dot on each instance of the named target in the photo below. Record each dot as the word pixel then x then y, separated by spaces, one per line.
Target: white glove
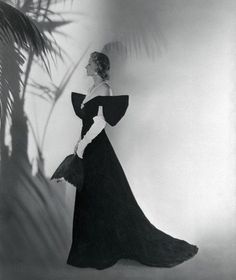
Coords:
pixel 76 147
pixel 98 125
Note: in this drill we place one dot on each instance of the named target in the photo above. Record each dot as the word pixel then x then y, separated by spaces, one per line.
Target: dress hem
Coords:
pixel 133 258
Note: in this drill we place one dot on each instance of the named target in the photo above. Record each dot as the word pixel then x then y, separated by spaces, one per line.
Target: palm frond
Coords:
pixel 11 61
pixel 58 93
pixel 136 24
pixel 44 92
pixel 51 25
pixel 1 113
pixel 115 47
pixel 16 26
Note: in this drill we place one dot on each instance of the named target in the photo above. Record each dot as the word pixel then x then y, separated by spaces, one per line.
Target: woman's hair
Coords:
pixel 103 64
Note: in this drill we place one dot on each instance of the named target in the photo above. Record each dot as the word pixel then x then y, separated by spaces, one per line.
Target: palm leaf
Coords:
pixel 59 91
pixel 1 113
pixel 135 24
pixel 52 26
pixel 16 26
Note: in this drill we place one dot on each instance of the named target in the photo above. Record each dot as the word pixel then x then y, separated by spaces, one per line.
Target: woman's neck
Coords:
pixel 97 80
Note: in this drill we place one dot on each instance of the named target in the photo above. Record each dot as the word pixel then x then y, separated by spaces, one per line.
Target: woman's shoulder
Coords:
pixel 114 107
pixel 104 89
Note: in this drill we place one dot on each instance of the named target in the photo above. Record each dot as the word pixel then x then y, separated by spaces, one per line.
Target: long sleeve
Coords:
pixel 98 125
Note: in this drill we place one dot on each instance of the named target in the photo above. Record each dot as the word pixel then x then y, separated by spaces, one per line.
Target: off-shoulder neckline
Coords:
pixel 104 82
pixel 103 96
pixel 89 100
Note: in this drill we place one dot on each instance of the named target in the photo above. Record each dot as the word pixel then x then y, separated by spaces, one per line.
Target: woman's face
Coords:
pixel 91 67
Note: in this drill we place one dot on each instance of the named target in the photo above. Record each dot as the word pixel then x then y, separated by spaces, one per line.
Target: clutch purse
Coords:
pixel 72 170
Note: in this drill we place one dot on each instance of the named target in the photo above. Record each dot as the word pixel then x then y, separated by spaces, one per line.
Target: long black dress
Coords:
pixel 108 223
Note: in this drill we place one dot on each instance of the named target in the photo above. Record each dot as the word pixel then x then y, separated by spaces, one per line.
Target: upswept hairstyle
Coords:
pixel 103 64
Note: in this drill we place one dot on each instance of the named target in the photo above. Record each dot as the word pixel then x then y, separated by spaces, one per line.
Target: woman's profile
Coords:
pixel 108 223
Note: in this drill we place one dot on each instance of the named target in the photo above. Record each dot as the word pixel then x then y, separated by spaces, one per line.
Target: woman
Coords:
pixel 108 223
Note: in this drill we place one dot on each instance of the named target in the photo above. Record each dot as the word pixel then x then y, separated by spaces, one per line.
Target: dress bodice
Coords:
pixel 114 108
pixel 92 90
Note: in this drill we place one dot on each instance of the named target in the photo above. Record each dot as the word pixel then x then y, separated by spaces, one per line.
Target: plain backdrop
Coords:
pixel 176 142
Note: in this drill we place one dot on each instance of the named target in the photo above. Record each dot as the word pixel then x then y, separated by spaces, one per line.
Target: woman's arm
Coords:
pixel 98 125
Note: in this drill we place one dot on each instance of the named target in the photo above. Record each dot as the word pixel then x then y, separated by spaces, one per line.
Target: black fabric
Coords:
pixel 114 107
pixel 108 223
pixel 72 170
pixel 77 99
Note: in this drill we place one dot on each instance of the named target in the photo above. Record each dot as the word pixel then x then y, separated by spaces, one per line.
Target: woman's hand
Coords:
pixel 80 147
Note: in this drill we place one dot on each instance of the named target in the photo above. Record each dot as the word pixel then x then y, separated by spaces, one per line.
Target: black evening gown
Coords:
pixel 108 223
